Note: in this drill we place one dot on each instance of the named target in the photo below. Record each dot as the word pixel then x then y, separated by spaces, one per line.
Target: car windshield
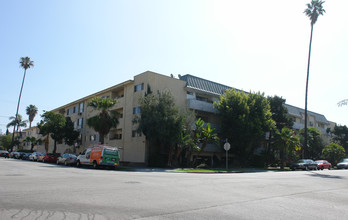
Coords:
pixel 344 160
pixel 301 161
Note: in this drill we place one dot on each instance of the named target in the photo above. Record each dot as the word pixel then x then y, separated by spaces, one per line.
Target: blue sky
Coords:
pixel 81 47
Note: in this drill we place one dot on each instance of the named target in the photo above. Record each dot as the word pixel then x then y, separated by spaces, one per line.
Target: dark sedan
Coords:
pixel 304 164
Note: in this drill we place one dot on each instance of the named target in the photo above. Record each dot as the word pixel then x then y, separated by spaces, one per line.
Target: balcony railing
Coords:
pixel 201 106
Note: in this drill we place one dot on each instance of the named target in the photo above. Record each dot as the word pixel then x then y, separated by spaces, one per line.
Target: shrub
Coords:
pixel 333 153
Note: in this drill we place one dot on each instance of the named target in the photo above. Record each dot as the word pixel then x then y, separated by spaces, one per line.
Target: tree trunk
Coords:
pixel 304 154
pixel 19 100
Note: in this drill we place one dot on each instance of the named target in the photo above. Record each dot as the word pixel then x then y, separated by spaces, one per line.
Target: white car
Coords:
pixel 34 156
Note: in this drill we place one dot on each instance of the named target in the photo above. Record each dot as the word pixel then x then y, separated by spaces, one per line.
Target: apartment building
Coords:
pixel 31 132
pixel 315 120
pixel 190 92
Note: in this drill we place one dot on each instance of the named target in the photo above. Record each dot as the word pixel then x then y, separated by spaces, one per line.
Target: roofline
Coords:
pixel 94 94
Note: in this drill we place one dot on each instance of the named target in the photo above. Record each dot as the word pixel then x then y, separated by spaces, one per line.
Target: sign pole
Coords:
pixel 227 147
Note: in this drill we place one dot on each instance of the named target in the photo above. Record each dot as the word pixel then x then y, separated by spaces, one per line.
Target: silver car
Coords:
pixel 343 164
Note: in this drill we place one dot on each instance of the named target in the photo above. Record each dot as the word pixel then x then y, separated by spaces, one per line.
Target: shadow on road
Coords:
pixel 316 174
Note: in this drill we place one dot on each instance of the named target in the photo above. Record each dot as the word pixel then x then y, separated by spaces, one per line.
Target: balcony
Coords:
pixel 201 106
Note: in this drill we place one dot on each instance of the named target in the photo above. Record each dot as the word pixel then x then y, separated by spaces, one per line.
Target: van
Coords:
pixel 99 156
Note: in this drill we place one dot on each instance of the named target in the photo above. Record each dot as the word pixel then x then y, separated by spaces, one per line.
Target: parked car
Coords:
pixel 34 156
pixel 67 159
pixel 25 156
pixel 343 164
pixel 41 157
pixel 323 164
pixel 4 153
pixel 50 158
pixel 304 164
pixel 99 156
pixel 18 155
pixel 12 154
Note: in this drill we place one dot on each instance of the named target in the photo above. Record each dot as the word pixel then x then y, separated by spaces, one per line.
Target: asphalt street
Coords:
pixel 31 190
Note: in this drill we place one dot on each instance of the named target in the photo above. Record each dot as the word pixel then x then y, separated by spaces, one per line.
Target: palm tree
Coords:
pixel 31 112
pixel 106 119
pixel 26 63
pixel 17 122
pixel 313 10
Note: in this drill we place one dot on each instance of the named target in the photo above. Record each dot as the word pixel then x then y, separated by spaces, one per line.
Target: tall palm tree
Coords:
pixel 106 119
pixel 31 112
pixel 313 10
pixel 26 63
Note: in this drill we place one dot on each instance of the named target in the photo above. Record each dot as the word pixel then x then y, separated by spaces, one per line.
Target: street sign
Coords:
pixel 227 146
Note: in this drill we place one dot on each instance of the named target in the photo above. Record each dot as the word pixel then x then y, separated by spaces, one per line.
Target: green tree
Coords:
pixel 6 141
pixel 31 112
pixel 244 120
pixel 333 153
pixel 282 120
pixel 53 124
pixel 313 10
pixel 341 136
pixel 204 134
pixel 70 134
pixel 162 124
pixel 315 143
pixel 25 63
pixel 280 112
pixel 106 119
pixel 287 143
pixel 32 141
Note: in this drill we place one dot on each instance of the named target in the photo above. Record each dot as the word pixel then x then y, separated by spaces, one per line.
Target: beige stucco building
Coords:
pixel 190 93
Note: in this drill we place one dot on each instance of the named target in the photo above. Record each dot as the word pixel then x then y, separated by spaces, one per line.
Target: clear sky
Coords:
pixel 80 47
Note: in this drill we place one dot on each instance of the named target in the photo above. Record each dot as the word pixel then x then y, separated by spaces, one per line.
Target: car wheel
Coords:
pixel 65 163
pixel 322 168
pixel 95 165
pixel 329 168
pixel 78 163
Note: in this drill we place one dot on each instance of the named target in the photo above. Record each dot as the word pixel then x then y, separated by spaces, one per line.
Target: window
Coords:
pixel 136 110
pixel 116 134
pixel 74 109
pixel 81 107
pixel 136 133
pixel 75 124
pixel 105 97
pixel 189 93
pixel 200 98
pixel 93 137
pixel 68 111
pixel 139 87
pixel 79 123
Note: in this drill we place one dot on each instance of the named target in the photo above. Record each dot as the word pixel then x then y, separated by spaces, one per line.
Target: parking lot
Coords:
pixel 31 190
